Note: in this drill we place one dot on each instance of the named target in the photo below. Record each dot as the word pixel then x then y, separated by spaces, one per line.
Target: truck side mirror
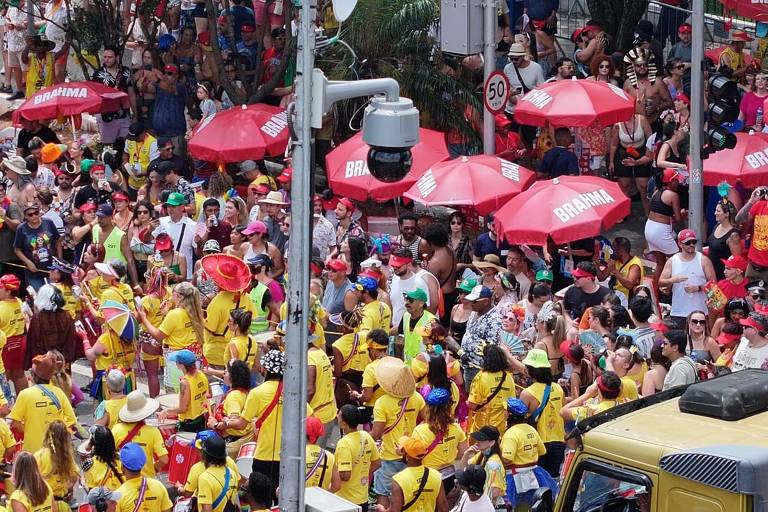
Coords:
pixel 542 500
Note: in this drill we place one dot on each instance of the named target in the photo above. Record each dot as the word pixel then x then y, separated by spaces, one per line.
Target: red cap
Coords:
pixel 502 121
pixel 337 265
pixel 331 203
pixel 746 322
pixel 163 242
pixel 669 175
pixel 580 272
pixel 88 207
pixel 726 338
pixel 565 348
pixel 685 28
pixel 10 282
pixel 248 28
pixel 371 272
pixel 285 176
pixel 735 261
pixel 686 235
pixel 348 204
pixel 576 34
pixel 98 167
pixel 590 28
pixel 683 97
pixel 171 68
pixel 539 24
pixel 260 189
pixel 120 196
pixel 659 327
pixel 398 261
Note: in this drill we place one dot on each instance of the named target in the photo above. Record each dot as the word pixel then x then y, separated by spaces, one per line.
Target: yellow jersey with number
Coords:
pixel 197 384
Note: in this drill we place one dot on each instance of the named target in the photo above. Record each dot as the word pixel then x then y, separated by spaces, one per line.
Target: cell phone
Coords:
pixel 148 67
pixel 79 326
pixel 102 183
pixel 137 302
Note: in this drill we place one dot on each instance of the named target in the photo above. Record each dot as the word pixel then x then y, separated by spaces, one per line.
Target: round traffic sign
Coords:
pixel 496 92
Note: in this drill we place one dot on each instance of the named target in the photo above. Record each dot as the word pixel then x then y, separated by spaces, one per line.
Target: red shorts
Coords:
pixel 13 352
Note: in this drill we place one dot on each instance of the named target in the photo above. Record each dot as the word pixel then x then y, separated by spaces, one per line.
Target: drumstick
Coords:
pixel 25 268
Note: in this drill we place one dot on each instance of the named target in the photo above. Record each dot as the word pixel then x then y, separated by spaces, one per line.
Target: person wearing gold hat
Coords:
pixel 733 55
pixel 394 415
pixel 12 323
pixel 38 406
pixel 416 487
pixel 132 429
pixel 376 345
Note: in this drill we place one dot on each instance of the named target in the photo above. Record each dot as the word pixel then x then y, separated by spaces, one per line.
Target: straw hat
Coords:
pixel 228 272
pixel 490 261
pixel 395 378
pixel 138 407
pixel 273 198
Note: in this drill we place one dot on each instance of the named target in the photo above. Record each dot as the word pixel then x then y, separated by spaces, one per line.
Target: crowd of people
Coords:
pixel 445 366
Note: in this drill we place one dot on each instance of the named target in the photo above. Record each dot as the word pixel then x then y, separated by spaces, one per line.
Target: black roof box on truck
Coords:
pixel 730 397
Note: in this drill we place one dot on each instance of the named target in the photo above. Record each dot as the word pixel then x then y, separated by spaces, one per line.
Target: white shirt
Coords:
pixel 173 229
pixel 57 23
pixel 398 288
pixel 749 357
pixel 682 371
pixel 483 504
pixel 532 75
pixel 54 217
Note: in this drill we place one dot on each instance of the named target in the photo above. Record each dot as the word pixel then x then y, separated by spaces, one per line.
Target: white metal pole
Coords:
pixel 292 464
pixel 695 182
pixel 489 65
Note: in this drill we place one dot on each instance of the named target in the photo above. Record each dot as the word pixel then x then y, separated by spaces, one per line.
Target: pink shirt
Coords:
pixel 749 105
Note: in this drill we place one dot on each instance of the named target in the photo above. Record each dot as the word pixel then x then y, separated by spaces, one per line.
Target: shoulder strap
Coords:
pixel 423 484
pixel 320 460
pixel 399 417
pixel 495 391
pixel 47 392
pixel 224 489
pixel 436 441
pixel 542 405
pixel 355 343
pixel 272 405
pixel 248 351
pixel 181 236
pixel 142 493
pixel 522 82
pixel 131 434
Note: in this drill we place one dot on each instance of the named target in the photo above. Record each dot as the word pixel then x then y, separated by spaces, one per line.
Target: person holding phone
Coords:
pixel 756 211
pixel 523 75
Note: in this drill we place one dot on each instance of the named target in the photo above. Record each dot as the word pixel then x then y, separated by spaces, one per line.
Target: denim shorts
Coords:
pixel 382 477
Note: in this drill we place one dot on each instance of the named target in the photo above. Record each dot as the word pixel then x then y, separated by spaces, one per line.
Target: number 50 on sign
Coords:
pixel 496 92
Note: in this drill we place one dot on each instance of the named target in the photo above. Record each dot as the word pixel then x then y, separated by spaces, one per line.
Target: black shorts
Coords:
pixel 623 171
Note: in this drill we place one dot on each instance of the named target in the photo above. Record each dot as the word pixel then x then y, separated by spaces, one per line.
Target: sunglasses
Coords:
pixel 690 242
pixel 604 66
pixel 169 73
pixel 456 223
pixel 143 212
pixel 33 214
pixel 680 66
pixel 641 64
pixel 695 321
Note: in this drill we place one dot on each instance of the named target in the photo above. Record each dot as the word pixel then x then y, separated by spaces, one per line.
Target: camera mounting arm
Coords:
pixel 327 92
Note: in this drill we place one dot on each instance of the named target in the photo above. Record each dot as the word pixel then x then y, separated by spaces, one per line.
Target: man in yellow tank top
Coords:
pixel 140 150
pixel 416 488
pixel 625 268
pixel 39 59
pixel 116 243
pixel 733 55
pixel 193 394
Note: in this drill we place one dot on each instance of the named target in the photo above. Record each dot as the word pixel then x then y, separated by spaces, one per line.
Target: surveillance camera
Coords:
pixel 391 129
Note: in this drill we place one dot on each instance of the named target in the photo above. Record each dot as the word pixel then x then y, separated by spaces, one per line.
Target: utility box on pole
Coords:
pixel 461 26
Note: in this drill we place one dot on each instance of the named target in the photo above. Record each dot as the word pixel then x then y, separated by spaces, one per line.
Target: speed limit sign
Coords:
pixel 496 92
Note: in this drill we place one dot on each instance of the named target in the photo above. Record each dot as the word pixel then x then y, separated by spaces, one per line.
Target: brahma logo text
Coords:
pixel 356 168
pixel 757 159
pixel 426 184
pixel 582 203
pixel 539 98
pixel 510 170
pixel 66 92
pixel 276 124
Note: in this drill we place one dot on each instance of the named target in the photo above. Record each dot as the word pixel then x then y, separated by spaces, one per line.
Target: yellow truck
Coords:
pixel 696 448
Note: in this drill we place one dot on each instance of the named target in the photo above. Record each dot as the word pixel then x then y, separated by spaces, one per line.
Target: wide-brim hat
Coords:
pixel 16 164
pixel 229 272
pixel 137 407
pixel 273 197
pixel 395 378
pixel 490 261
pixel 740 35
pixel 517 50
pixel 40 44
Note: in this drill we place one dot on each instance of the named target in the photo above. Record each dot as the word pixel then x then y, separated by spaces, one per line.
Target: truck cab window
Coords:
pixel 606 490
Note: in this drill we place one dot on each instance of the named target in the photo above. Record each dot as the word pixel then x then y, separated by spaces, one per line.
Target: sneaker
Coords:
pixel 18 95
pixel 7 89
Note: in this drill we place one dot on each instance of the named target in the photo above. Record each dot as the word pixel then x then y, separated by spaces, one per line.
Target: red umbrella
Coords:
pixel 248 132
pixel 758 11
pixel 484 182
pixel 348 173
pixel 746 162
pixel 71 99
pixel 574 103
pixel 567 208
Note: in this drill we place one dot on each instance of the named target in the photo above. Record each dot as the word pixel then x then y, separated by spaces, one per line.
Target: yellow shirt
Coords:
pixel 352 360
pixel 521 445
pixel 97 286
pixel 494 412
pixel 210 485
pixel 551 426
pixel 324 469
pixel 376 315
pixel 177 327
pixel 45 506
pixel 197 383
pixel 369 381
pixel 155 498
pixel 115 351
pixel 495 475
pixel 387 410
pixel 112 407
pixel 119 292
pixel 323 402
pixel 197 469
pixel 420 367
pixel 217 316
pixel 247 349
pixel 591 408
pixel 60 484
pixel 36 411
pixel 445 452
pixel 98 474
pixel 71 303
pixel 354 453
pixel 148 437
pixel 7 441
pixel 628 390
pixel 624 269
pixel 39 73
pixel 234 403
pixel 268 437
pixel 11 317
pixel 409 481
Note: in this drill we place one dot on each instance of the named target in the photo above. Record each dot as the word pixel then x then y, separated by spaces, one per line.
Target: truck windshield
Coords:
pixel 603 493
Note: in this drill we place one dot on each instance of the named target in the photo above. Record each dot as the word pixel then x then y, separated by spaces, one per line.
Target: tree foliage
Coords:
pixel 619 18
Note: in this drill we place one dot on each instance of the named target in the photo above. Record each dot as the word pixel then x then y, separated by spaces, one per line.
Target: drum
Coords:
pixel 167 429
pixel 183 455
pixel 245 459
pixel 217 392
pixel 263 337
pixel 169 400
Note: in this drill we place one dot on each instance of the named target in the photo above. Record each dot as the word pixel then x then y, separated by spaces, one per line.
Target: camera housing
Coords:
pixel 391 129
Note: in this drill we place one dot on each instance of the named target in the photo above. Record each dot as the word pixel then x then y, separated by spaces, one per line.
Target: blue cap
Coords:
pixel 133 457
pixel 185 357
pixel 104 210
pixel 517 407
pixel 438 397
pixel 367 283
